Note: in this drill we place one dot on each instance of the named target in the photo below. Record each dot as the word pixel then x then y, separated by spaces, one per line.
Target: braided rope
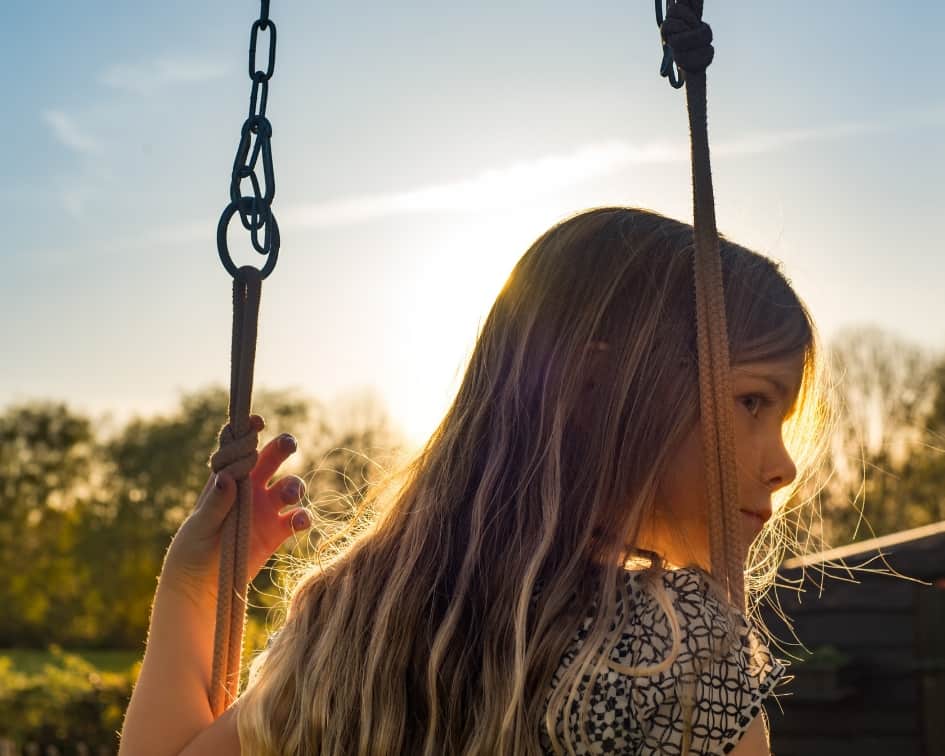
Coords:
pixel 237 456
pixel 690 40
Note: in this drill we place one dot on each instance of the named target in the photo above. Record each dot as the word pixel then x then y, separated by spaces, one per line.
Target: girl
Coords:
pixel 540 582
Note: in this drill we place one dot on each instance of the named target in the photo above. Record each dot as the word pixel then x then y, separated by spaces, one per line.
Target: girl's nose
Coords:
pixel 782 471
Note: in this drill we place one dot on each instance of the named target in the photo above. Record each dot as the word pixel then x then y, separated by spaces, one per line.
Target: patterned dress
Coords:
pixel 643 715
pixel 718 682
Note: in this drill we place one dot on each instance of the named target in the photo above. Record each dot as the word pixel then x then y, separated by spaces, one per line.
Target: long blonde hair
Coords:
pixel 424 632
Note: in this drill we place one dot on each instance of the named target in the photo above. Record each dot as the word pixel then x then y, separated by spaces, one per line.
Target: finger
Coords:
pixel 219 498
pixel 271 456
pixel 288 490
pixel 296 520
pixel 208 486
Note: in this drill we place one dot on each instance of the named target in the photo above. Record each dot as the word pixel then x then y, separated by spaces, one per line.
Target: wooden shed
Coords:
pixel 875 683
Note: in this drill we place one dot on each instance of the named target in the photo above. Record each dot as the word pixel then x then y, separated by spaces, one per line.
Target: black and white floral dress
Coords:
pixel 719 693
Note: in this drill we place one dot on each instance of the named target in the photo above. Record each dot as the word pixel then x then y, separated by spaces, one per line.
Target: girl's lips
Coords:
pixel 757 516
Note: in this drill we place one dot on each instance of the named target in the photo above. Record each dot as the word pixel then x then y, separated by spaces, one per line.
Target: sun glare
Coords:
pixel 446 302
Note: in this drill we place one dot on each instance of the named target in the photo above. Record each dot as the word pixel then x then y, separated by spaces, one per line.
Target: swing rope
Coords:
pixel 238 439
pixel 688 40
pixel 236 456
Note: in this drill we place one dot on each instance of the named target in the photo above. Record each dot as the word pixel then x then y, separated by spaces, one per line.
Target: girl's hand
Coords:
pixel 193 559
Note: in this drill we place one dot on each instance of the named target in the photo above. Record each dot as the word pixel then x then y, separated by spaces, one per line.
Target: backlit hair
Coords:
pixel 418 629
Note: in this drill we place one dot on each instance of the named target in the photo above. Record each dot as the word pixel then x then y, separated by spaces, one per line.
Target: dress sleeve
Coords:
pixel 718 682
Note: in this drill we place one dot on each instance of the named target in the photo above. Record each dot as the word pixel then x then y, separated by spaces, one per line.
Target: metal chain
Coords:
pixel 255 210
pixel 668 68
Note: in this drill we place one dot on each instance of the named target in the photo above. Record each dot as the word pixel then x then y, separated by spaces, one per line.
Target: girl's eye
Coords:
pixel 753 403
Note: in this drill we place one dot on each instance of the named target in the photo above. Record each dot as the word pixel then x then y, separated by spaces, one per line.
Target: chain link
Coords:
pixel 255 210
pixel 668 67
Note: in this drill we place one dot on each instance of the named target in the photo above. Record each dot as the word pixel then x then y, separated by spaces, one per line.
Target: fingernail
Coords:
pixel 219 483
pixel 292 491
pixel 287 443
pixel 300 521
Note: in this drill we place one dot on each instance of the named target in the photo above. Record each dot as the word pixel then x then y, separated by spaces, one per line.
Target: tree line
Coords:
pixel 85 518
pixel 885 469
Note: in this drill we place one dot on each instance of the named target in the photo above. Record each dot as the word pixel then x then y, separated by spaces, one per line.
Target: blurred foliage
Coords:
pixel 886 468
pixel 85 521
pixel 61 698
pixel 47 455
pixel 68 702
pixel 30 661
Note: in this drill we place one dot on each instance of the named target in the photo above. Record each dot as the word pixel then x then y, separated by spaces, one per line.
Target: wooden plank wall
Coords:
pixel 891 699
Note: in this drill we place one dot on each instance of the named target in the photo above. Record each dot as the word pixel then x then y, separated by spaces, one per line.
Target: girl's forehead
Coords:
pixel 785 373
pixel 789 365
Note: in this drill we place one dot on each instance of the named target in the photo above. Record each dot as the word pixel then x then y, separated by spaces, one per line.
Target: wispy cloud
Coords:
pixel 509 185
pixel 68 132
pixel 496 187
pixel 506 186
pixel 75 194
pixel 140 78
pixel 78 189
pixel 774 141
pixel 148 76
pixel 502 187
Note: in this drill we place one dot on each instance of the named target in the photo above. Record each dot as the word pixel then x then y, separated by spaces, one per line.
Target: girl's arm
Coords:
pixel 170 704
pixel 169 712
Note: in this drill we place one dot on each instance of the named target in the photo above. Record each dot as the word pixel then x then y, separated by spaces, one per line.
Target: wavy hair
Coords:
pixel 434 622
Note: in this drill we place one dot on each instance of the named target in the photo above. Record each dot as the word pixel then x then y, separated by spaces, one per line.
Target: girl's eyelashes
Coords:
pixel 754 403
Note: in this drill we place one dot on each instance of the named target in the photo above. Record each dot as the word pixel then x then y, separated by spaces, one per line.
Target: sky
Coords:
pixel 419 149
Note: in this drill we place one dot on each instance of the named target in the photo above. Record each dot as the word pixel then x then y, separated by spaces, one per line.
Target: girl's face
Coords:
pixel 764 396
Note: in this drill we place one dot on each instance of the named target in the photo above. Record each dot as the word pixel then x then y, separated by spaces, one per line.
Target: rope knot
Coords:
pixel 688 36
pixel 236 455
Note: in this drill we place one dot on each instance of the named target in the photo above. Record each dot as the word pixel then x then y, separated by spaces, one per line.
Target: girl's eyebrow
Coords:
pixel 779 385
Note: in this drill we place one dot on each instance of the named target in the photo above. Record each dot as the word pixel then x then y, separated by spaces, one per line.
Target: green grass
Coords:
pixel 31 661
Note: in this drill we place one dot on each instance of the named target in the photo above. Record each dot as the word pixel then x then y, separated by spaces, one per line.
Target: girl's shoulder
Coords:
pixel 684 610
pixel 693 594
pixel 681 662
pixel 722 670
